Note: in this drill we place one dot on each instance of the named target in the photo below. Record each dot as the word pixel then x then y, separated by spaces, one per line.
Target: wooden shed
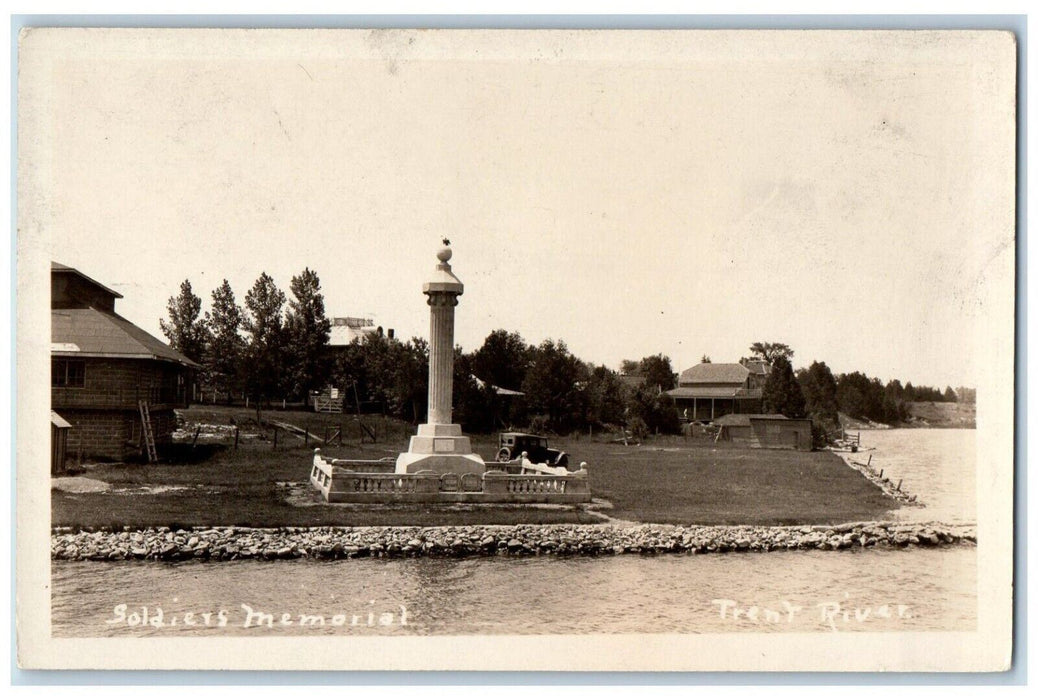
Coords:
pixel 770 430
pixel 59 428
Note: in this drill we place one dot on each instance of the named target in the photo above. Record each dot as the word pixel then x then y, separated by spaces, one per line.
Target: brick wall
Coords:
pixel 114 434
pixel 116 383
pixel 105 417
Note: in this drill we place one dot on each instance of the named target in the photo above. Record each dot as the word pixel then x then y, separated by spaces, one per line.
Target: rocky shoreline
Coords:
pixel 876 477
pixel 237 543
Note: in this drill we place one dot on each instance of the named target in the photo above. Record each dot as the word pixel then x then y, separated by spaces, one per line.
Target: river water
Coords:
pixel 939 466
pixel 838 591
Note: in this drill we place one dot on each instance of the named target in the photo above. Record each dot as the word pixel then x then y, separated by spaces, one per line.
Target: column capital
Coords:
pixel 441 299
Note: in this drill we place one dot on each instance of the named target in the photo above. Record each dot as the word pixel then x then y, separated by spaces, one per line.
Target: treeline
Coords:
pixel 274 346
pixel 546 388
pixel 815 392
pixel 268 347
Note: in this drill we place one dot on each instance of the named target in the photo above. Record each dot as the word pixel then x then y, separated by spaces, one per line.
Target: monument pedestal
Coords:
pixel 440 448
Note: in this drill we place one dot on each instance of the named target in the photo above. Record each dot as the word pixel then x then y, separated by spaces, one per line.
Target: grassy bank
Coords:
pixel 668 480
pixel 931 414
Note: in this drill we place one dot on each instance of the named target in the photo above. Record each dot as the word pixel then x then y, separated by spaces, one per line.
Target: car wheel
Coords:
pixel 504 455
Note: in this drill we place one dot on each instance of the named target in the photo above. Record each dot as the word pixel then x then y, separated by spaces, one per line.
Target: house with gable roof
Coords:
pixel 103 368
pixel 714 389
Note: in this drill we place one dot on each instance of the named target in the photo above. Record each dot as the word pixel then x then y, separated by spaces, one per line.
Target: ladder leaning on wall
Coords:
pixel 146 431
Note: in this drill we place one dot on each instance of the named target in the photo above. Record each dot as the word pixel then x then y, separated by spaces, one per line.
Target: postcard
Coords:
pixel 516 349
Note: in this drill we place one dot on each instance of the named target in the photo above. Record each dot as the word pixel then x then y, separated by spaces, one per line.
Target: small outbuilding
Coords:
pixel 58 442
pixel 766 430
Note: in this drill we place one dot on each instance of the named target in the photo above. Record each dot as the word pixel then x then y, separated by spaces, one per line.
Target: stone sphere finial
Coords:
pixel 444 253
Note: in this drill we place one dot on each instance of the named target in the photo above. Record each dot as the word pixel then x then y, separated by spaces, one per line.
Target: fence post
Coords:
pixel 275 437
pixel 236 429
pixel 306 434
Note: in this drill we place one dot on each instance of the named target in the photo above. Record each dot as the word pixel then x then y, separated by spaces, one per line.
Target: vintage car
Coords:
pixel 512 445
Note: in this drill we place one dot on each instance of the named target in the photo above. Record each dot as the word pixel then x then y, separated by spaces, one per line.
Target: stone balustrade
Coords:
pixel 366 481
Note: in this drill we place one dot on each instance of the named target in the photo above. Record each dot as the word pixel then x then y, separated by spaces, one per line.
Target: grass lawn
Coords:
pixel 666 480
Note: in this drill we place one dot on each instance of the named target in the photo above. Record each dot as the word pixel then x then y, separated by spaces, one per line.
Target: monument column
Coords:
pixel 441 354
pixel 439 445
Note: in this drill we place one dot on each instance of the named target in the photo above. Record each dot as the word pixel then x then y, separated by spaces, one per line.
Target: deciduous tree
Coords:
pixel 551 387
pixel 657 373
pixel 769 352
pixel 502 360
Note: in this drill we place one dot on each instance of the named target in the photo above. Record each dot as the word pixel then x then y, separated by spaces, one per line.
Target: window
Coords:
pixel 67 373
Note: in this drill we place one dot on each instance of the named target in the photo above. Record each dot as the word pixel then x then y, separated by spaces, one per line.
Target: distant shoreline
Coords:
pixel 923 415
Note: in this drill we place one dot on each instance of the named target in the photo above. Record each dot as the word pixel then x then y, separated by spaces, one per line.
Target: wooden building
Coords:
pixel 714 389
pixel 59 428
pixel 109 378
pixel 770 431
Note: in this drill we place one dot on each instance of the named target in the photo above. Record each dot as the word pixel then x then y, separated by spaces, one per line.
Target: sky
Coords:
pixel 684 194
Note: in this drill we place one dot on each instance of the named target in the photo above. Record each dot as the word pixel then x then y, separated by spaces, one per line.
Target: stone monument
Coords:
pixel 439 446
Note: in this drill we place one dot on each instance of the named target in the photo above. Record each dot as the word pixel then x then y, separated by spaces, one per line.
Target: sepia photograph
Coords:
pixel 516 349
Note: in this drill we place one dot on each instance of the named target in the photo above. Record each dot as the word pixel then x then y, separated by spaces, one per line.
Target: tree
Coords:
pixel 410 376
pixel 307 331
pixel 966 394
pixel 769 352
pixel 265 354
pixel 705 359
pixel 819 389
pixel 502 360
pixel 224 352
pixel 894 399
pixel 187 333
pixel 949 395
pixel 656 410
pixel 551 387
pixel 657 373
pixel 476 405
pixel 781 392
pixel 606 396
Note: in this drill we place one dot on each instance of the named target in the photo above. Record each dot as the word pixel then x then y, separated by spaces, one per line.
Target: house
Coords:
pixel 346 329
pixel 107 374
pixel 770 430
pixel 713 389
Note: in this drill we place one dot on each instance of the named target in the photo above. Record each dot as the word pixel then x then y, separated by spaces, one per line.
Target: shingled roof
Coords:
pixel 708 392
pixel 94 333
pixel 714 373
